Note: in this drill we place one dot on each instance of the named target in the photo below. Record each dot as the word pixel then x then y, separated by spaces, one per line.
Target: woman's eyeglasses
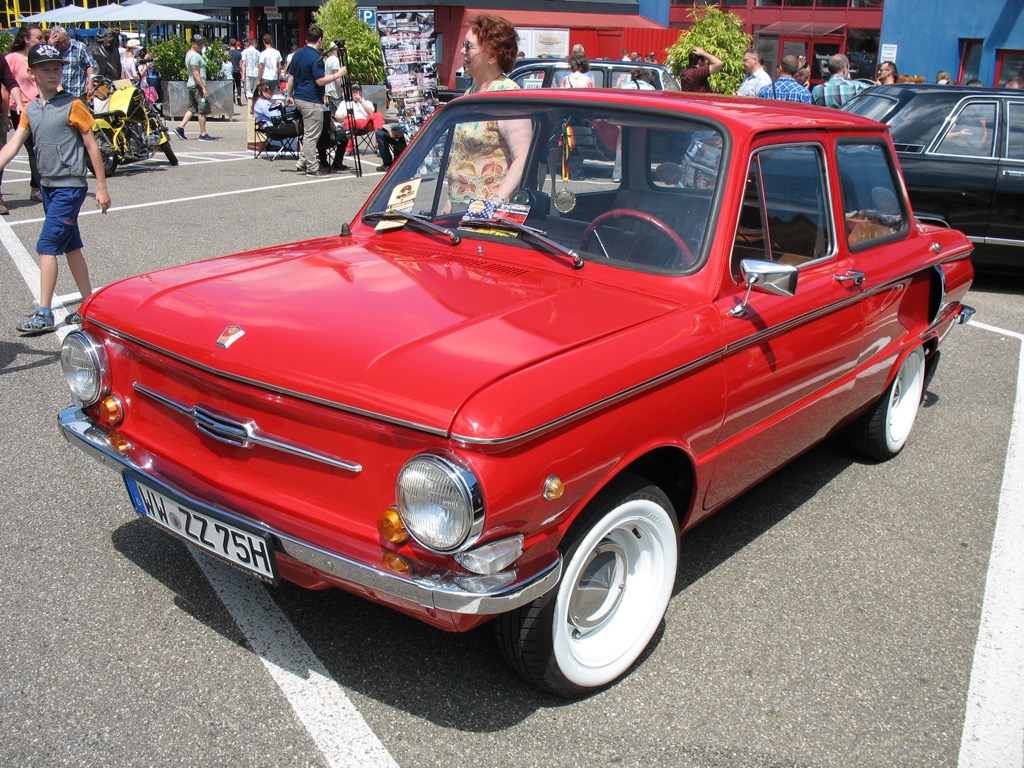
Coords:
pixel 468 46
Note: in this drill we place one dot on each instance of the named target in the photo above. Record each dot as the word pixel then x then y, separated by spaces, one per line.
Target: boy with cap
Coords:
pixel 62 128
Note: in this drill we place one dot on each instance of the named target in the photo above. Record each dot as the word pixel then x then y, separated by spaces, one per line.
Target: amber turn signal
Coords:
pixel 111 410
pixel 395 563
pixel 391 527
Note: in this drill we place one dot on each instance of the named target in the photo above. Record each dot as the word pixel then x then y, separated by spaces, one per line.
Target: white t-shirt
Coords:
pixel 270 58
pixel 358 111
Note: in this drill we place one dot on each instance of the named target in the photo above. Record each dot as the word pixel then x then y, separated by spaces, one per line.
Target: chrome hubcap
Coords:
pixel 599 588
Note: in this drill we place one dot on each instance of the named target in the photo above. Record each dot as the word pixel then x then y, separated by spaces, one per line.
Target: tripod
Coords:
pixel 350 122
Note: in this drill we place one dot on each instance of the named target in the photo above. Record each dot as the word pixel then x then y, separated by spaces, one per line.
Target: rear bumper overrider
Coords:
pixel 439 590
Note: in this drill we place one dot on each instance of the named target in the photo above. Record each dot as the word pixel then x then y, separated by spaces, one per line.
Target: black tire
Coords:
pixel 109 165
pixel 619 567
pixel 171 157
pixel 882 431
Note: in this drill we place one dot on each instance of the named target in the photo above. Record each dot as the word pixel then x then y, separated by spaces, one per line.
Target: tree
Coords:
pixel 338 20
pixel 717 32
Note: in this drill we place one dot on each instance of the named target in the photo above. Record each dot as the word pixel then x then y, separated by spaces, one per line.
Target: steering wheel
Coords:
pixel 642 216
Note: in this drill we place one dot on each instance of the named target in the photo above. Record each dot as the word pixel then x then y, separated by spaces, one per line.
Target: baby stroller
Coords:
pixel 281 136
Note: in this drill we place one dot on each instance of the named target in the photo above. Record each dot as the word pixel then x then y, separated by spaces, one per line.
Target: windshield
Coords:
pixel 630 188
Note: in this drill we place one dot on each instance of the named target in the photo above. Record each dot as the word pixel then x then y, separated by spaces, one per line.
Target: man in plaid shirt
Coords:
pixel 785 88
pixel 80 66
pixel 839 89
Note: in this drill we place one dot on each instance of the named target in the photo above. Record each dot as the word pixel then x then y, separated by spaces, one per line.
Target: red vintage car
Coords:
pixel 564 329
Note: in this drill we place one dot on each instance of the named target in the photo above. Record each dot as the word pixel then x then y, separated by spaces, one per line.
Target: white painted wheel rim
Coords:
pixel 614 593
pixel 905 400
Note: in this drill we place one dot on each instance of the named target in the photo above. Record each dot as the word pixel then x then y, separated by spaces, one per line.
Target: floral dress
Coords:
pixel 479 157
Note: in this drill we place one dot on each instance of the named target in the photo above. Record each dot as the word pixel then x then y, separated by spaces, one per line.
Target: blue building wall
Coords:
pixel 928 34
pixel 655 10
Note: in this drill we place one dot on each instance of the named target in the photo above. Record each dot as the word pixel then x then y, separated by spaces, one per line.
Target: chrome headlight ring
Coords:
pixel 441 502
pixel 86 368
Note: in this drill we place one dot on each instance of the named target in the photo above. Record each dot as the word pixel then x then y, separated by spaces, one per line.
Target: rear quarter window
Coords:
pixel 873 210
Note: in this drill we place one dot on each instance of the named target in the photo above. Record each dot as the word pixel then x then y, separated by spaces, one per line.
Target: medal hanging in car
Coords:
pixel 565 199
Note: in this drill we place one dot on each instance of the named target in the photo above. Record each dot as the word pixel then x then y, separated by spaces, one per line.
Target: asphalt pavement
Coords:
pixel 829 617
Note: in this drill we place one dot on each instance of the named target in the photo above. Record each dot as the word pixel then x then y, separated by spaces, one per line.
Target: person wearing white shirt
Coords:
pixel 363 116
pixel 250 68
pixel 757 78
pixel 270 64
pixel 331 65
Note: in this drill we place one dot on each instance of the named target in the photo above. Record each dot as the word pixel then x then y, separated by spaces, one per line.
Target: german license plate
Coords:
pixel 249 550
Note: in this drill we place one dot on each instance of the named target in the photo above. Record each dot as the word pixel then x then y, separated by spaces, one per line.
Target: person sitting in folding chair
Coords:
pixel 271 121
pixel 364 120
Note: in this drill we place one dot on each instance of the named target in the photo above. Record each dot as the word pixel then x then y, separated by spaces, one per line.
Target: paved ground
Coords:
pixel 829 617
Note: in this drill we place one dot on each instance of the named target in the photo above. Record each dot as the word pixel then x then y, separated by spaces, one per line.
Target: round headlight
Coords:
pixel 440 502
pixel 84 364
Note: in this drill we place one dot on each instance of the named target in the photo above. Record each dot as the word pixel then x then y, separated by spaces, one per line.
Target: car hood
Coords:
pixel 407 335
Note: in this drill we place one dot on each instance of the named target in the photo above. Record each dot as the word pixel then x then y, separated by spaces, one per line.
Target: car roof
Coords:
pixel 562 63
pixel 740 114
pixel 952 91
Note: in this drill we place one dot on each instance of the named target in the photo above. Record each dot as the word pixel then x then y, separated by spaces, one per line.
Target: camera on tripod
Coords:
pixel 340 45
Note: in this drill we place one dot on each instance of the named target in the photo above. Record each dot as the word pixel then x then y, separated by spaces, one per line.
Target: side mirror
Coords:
pixel 766 277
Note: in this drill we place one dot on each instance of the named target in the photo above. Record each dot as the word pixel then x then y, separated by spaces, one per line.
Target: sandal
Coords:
pixel 73 319
pixel 40 321
pixel 35 195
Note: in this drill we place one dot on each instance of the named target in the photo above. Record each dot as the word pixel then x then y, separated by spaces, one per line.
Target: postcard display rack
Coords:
pixel 408 41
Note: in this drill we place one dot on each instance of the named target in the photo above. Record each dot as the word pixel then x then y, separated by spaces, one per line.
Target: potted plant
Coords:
pixel 169 60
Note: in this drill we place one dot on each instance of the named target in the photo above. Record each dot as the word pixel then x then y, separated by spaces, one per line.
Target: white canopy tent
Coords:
pixel 140 12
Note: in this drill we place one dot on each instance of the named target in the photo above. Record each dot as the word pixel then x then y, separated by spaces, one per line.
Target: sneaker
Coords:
pixel 318 172
pixel 36 196
pixel 383 167
pixel 206 137
pixel 3 208
pixel 300 166
pixel 73 319
pixel 40 321
pixel 180 133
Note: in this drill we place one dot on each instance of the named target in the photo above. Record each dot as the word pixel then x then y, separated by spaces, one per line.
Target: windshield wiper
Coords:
pixel 419 221
pixel 529 233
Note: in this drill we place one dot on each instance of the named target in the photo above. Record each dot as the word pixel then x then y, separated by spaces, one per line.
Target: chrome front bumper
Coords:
pixel 438 590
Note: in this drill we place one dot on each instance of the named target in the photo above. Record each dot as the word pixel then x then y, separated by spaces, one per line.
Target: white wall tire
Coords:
pixel 618 575
pixel 882 432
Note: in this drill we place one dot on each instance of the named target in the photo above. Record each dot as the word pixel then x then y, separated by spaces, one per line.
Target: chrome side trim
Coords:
pixel 269 388
pixel 1003 241
pixel 241 434
pixel 437 590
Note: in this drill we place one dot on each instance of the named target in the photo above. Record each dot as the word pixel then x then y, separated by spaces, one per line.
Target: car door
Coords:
pixel 789 360
pixel 1006 223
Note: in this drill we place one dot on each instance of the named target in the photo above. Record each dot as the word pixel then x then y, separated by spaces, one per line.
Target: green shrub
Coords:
pixel 169 58
pixel 338 20
pixel 719 33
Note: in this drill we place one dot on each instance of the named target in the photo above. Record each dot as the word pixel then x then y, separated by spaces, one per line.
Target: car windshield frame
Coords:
pixel 640 188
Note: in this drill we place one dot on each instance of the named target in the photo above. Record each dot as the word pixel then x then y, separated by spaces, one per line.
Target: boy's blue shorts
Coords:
pixel 60 230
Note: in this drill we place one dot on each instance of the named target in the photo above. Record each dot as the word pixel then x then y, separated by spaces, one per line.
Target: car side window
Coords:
pixel 784 216
pixel 972 131
pixel 533 78
pixel 872 209
pixel 1015 137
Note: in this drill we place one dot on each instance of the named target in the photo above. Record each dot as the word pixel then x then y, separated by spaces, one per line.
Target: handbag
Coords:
pixel 150 93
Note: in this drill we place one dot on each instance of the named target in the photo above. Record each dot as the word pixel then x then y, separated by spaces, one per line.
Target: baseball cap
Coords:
pixel 356 87
pixel 197 38
pixel 44 52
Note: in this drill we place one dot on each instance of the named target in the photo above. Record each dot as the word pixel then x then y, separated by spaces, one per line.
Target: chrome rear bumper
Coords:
pixel 437 590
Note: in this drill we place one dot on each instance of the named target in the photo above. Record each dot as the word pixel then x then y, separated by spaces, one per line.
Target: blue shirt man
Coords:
pixel 839 89
pixel 80 66
pixel 785 88
pixel 306 81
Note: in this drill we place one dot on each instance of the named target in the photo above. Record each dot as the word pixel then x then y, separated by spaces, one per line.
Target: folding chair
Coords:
pixel 280 137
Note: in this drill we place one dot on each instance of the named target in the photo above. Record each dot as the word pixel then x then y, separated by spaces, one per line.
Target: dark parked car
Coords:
pixel 549 73
pixel 962 153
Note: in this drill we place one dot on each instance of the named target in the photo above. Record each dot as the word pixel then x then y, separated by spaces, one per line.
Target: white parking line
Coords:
pixel 993 734
pixel 335 725
pixel 229 193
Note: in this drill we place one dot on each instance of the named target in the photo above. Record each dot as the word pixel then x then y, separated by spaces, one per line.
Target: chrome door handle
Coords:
pixel 853 276
pixel 1013 173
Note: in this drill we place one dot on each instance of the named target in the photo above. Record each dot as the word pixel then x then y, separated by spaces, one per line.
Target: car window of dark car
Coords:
pixel 872 105
pixel 531 78
pixel 971 132
pixel 872 210
pixel 1015 136
pixel 784 216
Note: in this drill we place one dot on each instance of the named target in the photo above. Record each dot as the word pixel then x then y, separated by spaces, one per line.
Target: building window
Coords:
pixel 970 60
pixel 1009 64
